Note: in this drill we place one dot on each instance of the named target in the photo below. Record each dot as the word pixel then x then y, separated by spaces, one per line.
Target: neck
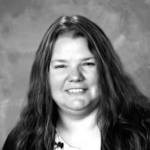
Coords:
pixel 78 123
pixel 79 132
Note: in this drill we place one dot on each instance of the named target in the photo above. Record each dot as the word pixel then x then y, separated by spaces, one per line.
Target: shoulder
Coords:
pixel 133 127
pixel 10 143
pixel 138 114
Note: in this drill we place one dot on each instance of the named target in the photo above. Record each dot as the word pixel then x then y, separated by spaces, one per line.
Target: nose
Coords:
pixel 76 75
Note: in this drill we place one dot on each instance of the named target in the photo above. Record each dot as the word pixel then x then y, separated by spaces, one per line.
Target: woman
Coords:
pixel 79 95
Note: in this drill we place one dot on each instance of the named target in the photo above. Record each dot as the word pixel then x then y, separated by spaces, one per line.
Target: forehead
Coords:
pixel 67 47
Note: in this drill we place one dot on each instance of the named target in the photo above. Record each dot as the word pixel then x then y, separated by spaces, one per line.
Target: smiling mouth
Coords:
pixel 76 90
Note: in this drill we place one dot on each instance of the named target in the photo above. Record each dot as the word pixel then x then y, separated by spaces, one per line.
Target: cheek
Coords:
pixel 93 78
pixel 56 82
pixel 93 81
pixel 55 88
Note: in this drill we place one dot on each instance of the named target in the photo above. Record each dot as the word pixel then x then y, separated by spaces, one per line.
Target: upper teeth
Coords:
pixel 75 90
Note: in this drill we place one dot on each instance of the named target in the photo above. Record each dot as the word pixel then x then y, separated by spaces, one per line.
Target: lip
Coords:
pixel 76 88
pixel 81 92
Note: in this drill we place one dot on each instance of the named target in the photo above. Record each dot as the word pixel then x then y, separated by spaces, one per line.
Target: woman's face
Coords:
pixel 73 75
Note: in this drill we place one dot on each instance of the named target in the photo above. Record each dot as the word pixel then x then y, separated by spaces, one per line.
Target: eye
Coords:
pixel 59 66
pixel 89 64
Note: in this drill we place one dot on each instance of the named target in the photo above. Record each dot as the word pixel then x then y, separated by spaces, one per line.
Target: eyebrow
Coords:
pixel 63 60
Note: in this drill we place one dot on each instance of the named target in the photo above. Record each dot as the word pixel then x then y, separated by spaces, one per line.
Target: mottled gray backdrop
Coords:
pixel 23 23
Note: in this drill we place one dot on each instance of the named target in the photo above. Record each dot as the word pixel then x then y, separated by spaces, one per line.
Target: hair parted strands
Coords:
pixel 124 113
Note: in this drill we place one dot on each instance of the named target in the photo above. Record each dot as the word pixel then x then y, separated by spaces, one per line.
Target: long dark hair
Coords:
pixel 36 128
